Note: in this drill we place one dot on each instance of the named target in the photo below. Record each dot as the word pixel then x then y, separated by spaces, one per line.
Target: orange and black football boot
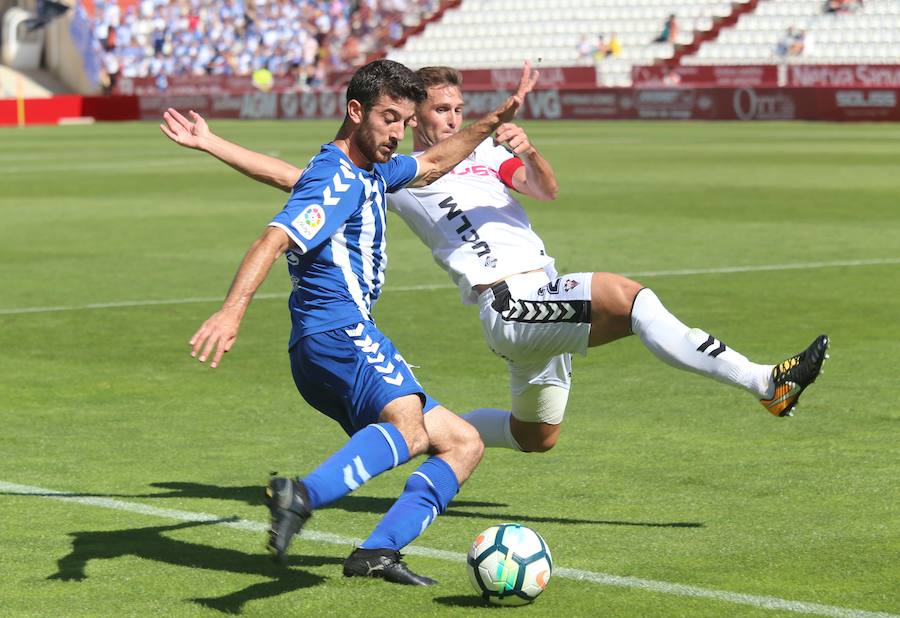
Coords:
pixel 793 375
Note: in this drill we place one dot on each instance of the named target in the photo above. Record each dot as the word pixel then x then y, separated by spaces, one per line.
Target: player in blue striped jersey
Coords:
pixel 332 230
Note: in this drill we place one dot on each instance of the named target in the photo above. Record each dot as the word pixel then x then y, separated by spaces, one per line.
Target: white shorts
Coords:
pixel 536 323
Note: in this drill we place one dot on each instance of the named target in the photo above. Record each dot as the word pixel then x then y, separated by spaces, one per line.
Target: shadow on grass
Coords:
pixel 253 495
pixel 470 600
pixel 152 544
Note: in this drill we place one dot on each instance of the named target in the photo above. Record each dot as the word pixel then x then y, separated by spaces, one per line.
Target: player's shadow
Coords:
pixel 252 495
pixel 152 544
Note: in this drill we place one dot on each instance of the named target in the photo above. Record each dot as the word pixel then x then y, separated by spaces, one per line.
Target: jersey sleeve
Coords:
pixel 322 200
pixel 502 160
pixel 399 171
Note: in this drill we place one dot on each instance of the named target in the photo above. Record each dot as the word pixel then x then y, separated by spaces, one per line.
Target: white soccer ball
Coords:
pixel 509 564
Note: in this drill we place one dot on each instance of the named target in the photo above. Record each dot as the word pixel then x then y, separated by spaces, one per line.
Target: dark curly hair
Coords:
pixel 385 77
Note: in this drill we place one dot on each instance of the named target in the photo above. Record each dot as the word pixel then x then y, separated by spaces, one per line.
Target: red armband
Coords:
pixel 508 168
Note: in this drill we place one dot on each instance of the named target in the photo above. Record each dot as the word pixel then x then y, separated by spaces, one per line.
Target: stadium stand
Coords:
pixel 500 33
pixel 141 38
pixel 870 33
pixel 307 41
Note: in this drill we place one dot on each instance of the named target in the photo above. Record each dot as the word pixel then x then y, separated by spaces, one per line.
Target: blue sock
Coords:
pixel 427 493
pixel 370 451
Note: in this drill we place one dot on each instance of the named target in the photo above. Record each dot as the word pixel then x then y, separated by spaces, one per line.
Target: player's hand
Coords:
pixel 515 139
pixel 189 133
pixel 216 337
pixel 507 111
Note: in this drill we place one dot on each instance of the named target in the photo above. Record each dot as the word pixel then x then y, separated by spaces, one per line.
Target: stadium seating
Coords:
pixel 501 33
pixel 871 34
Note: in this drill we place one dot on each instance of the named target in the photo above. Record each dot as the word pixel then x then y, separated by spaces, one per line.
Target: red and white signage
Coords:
pixel 712 76
pixel 843 76
pixel 743 103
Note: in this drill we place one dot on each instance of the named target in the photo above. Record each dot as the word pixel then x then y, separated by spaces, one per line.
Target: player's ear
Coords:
pixel 413 121
pixel 355 111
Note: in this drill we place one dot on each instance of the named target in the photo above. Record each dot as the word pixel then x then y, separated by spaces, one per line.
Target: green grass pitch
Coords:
pixel 659 475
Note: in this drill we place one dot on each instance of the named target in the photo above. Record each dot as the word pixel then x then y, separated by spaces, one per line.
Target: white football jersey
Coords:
pixel 476 230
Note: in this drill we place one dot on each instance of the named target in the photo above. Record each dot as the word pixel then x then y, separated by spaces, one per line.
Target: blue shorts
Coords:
pixel 352 373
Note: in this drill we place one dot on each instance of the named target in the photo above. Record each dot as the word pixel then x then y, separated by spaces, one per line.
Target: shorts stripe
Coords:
pixel 539 312
pixel 390 442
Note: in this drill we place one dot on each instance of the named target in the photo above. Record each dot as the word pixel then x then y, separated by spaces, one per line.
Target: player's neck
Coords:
pixel 346 145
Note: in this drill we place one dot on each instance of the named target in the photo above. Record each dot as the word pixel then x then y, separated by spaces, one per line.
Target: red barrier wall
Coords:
pixel 53 109
pixel 831 104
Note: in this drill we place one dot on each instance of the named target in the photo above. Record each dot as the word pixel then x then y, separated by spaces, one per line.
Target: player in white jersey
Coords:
pixel 480 234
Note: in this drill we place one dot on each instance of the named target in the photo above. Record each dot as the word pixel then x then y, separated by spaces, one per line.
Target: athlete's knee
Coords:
pixel 468 442
pixel 452 436
pixel 612 295
pixel 463 440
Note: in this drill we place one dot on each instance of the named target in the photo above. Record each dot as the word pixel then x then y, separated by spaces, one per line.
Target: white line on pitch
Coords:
pixel 445 286
pixel 607 579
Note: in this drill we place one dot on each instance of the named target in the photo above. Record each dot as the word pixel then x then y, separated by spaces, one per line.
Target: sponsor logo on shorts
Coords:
pixel 570 285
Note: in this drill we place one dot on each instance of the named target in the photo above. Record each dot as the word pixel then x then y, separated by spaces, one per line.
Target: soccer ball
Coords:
pixel 509 564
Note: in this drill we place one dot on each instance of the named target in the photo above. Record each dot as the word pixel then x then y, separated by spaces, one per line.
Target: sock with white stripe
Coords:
pixel 370 451
pixel 493 427
pixel 693 349
pixel 427 493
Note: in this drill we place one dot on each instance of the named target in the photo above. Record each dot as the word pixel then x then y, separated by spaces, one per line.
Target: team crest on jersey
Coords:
pixel 570 285
pixel 310 221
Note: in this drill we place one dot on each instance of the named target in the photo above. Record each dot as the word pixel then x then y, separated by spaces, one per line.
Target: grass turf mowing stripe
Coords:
pixel 663 587
pixel 444 286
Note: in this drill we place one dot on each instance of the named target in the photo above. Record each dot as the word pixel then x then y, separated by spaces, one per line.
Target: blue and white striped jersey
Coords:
pixel 336 218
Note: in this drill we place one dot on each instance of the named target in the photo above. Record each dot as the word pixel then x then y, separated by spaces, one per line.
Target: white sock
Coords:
pixel 493 427
pixel 693 349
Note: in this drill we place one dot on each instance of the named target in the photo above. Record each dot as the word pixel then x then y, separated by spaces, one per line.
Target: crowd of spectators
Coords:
pixel 305 39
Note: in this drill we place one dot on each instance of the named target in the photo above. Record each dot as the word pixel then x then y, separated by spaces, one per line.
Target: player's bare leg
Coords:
pixel 405 413
pixel 453 440
pixel 534 437
pixel 612 297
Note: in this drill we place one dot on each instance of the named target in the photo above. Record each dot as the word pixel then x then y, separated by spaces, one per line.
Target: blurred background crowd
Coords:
pixel 306 39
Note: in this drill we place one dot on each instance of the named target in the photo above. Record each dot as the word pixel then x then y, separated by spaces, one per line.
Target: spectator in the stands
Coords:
pixel 784 43
pixel 792 43
pixel 669 31
pixel 613 49
pixel 586 47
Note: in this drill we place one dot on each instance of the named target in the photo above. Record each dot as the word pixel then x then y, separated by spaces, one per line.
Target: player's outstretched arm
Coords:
pixel 444 156
pixel 195 134
pixel 219 332
pixel 536 178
